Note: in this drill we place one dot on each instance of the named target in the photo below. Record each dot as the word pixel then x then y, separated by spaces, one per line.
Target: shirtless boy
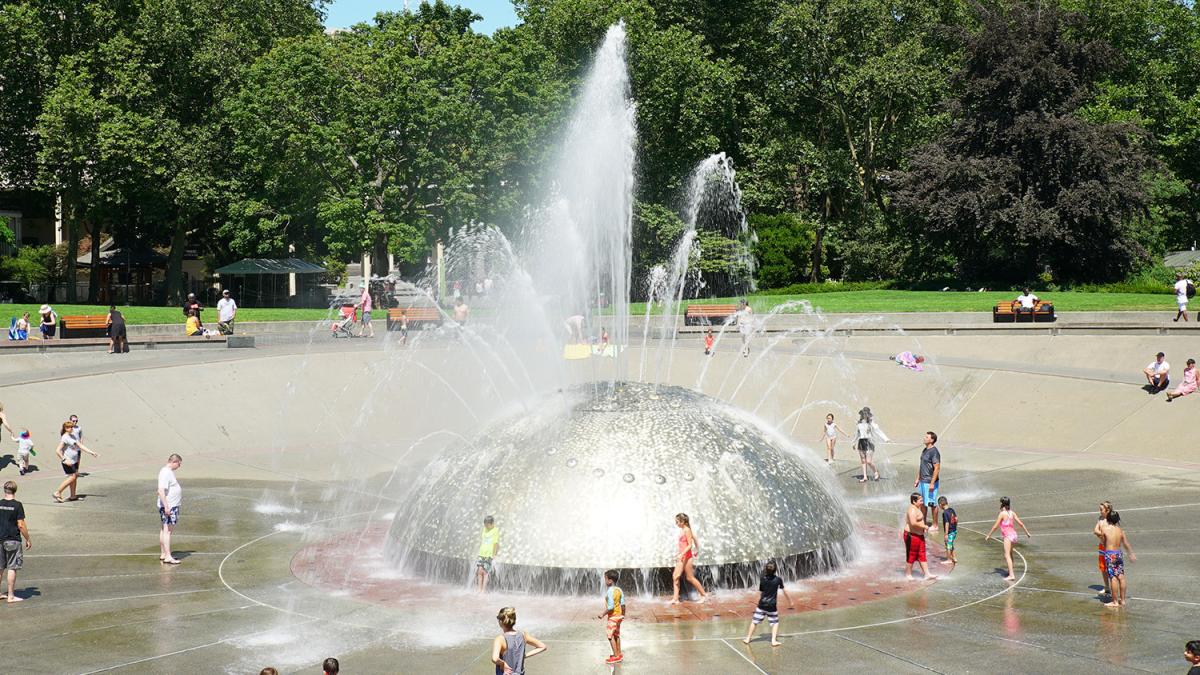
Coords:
pixel 1114 541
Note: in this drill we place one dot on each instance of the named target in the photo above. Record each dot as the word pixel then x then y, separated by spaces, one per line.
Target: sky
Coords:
pixel 346 13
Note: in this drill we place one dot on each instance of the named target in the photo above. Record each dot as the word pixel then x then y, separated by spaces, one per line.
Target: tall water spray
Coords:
pixel 582 253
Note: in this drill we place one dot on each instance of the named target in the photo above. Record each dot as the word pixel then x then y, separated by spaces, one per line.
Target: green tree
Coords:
pixel 782 249
pixel 384 137
pixel 1020 184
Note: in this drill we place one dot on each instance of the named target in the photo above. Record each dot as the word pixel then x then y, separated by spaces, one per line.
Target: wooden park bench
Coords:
pixel 83 326
pixel 708 315
pixel 1009 311
pixel 417 317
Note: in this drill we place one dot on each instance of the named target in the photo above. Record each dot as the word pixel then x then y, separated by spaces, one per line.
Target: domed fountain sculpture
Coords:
pixel 591 479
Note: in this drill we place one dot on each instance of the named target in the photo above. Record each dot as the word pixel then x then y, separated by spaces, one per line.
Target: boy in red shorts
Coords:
pixel 614 600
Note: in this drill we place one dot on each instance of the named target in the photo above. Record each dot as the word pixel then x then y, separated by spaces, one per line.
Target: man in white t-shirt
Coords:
pixel 1181 295
pixel 170 496
pixel 1158 373
pixel 226 313
pixel 1026 301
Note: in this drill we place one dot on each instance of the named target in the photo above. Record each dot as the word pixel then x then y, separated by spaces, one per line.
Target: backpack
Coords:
pixel 1191 290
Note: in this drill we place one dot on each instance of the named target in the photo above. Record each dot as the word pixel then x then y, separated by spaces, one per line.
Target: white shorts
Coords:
pixel 1182 305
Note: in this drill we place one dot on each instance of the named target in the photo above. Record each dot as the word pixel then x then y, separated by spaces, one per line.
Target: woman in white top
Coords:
pixel 830 434
pixel 865 432
pixel 68 451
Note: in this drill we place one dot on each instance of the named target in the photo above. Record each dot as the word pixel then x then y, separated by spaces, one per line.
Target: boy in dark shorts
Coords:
pixel 950 528
pixel 769 586
pixel 614 611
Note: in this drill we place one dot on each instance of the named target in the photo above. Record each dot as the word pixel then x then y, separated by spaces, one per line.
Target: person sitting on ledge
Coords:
pixel 1189 382
pixel 1158 373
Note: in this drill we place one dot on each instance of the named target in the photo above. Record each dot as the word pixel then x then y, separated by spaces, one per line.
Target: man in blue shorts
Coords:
pixel 928 473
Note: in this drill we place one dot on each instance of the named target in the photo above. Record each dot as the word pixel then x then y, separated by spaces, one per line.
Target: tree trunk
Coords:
pixel 71 216
pixel 94 272
pixel 379 256
pixel 175 264
pixel 817 255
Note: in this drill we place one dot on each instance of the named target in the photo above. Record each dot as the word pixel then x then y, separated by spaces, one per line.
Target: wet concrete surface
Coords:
pixel 266 476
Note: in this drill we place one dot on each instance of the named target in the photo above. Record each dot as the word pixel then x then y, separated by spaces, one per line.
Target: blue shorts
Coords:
pixel 928 495
pixel 169 517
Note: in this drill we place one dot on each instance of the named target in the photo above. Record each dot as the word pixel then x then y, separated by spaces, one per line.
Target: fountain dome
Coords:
pixel 591 478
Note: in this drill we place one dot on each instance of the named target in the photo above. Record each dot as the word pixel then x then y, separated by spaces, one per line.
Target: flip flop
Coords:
pixel 56 498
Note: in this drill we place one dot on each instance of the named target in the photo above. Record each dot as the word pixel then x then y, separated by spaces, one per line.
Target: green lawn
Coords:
pixel 851 302
pixel 144 315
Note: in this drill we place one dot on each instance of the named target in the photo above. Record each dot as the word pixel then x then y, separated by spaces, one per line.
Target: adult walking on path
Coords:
pixel 226 313
pixel 745 322
pixel 366 304
pixel 68 451
pixel 12 530
pixel 928 474
pixel 170 496
pixel 1184 290
pixel 118 338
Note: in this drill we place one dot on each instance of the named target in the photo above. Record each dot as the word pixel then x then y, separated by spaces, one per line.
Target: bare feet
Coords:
pixel 1010 578
pixel 675 601
pixel 776 643
pixel 56 497
pixel 703 599
pixel 13 598
pixel 908 576
pixel 1114 604
pixel 930 577
pixel 171 561
pixel 746 640
pixel 949 562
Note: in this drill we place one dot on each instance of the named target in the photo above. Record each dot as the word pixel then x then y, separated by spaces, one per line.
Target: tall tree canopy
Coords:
pixel 1021 184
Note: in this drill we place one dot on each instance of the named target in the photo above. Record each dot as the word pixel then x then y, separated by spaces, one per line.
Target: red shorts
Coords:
pixel 1103 569
pixel 914 546
pixel 614 626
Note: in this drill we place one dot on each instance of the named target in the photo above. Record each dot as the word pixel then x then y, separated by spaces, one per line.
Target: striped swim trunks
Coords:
pixel 759 613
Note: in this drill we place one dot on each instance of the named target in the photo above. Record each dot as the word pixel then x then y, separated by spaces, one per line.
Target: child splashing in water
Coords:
pixel 685 561
pixel 830 433
pixel 865 432
pixel 1005 521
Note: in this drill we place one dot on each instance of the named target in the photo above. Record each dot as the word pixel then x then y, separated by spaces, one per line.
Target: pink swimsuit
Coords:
pixel 1007 529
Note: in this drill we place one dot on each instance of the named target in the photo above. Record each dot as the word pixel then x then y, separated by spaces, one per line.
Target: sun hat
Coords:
pixel 44 310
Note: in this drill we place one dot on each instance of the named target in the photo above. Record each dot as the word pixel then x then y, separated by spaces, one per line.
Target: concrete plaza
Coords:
pixel 292 446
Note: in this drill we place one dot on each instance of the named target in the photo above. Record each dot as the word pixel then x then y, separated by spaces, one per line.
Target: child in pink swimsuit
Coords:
pixel 1005 521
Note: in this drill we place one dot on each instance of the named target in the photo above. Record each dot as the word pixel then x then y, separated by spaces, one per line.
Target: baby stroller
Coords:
pixel 345 326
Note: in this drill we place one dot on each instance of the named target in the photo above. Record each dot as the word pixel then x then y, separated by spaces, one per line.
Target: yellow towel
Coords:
pixel 572 352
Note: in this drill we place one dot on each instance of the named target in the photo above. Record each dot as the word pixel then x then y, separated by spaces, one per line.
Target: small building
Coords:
pixel 274 282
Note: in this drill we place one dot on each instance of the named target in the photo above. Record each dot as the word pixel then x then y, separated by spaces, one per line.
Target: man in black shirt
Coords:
pixel 12 529
pixel 769 586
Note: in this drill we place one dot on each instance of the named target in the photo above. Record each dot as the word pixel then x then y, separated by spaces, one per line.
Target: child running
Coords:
pixel 24 450
pixel 489 546
pixel 509 648
pixel 1098 530
pixel 830 433
pixel 1004 521
pixel 769 586
pixel 950 529
pixel 614 603
pixel 1114 563
pixel 708 343
pixel 685 561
